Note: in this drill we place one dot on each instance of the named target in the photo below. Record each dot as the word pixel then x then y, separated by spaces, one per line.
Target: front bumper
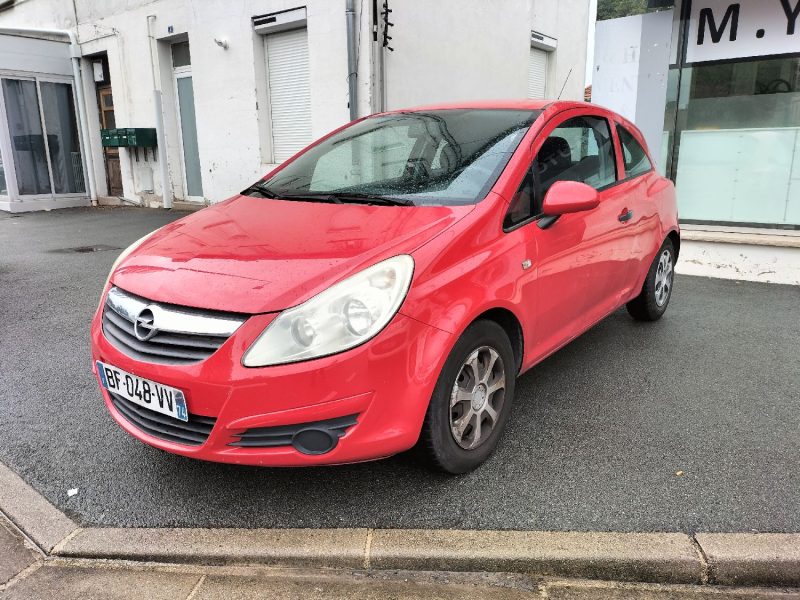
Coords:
pixel 387 383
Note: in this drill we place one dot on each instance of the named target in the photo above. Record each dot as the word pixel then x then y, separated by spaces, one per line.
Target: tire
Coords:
pixel 652 303
pixel 484 343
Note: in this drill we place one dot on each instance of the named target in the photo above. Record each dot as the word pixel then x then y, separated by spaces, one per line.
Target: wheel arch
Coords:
pixel 511 325
pixel 675 238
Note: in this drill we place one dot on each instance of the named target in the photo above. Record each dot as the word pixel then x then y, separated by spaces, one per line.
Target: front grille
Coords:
pixel 283 435
pixel 193 432
pixel 182 335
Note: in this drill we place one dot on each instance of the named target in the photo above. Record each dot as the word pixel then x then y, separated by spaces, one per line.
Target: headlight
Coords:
pixel 123 255
pixel 344 316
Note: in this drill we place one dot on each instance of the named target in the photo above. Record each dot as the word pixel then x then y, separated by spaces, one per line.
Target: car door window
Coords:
pixel 580 149
pixel 633 154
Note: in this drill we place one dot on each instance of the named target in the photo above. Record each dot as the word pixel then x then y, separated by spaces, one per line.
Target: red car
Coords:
pixel 385 287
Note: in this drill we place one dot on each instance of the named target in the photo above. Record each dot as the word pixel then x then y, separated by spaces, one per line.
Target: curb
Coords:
pixel 26 508
pixel 668 558
pixel 752 558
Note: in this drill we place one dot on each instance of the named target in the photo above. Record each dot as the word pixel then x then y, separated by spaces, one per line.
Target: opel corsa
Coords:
pixel 385 287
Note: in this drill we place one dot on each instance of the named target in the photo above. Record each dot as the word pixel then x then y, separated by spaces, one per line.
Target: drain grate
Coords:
pixel 86 249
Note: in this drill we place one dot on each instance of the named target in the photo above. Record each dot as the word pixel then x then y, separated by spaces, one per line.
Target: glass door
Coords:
pixel 191 152
pixel 43 131
pixel 63 143
pixel 184 91
pixel 27 137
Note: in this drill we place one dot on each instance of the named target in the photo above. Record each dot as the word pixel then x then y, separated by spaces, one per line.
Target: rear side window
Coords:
pixel 580 150
pixel 634 156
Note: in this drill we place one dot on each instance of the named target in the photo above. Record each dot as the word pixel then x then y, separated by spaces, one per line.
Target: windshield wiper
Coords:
pixel 373 199
pixel 259 189
pixel 333 197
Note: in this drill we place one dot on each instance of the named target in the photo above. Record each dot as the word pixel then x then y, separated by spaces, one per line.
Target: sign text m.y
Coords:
pixel 724 29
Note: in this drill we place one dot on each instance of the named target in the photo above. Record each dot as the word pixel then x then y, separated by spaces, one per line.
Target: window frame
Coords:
pixel 626 128
pixel 545 132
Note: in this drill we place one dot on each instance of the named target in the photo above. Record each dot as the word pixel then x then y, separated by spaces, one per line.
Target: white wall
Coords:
pixel 234 149
pixel 568 22
pixel 616 75
pixel 445 50
pixel 448 51
pixel 740 261
pixel 631 71
pixel 471 50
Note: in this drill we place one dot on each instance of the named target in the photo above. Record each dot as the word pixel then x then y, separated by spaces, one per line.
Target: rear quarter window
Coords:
pixel 633 154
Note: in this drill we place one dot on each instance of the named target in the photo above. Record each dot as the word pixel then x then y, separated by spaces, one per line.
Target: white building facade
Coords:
pixel 228 89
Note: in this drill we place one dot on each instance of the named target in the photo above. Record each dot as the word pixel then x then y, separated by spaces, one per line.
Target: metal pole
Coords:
pixel 161 137
pixel 352 60
pixel 82 115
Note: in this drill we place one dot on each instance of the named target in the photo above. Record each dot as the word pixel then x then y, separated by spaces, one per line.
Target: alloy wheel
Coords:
pixel 476 401
pixel 664 275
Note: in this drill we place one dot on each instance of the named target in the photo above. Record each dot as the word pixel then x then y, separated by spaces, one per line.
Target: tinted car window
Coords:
pixel 433 157
pixel 634 156
pixel 579 150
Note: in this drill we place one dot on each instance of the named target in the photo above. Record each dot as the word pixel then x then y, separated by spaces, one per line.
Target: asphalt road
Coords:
pixel 596 438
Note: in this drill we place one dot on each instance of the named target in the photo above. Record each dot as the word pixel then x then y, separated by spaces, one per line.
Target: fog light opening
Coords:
pixel 314 441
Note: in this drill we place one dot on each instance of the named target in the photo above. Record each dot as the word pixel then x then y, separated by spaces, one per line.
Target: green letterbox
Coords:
pixel 129 137
pixel 109 138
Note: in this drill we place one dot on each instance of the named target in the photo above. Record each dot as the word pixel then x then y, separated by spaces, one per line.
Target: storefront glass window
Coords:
pixel 737 130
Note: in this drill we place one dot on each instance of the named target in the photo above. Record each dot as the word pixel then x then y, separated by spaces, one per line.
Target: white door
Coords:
pixel 537 74
pixel 289 92
pixel 187 122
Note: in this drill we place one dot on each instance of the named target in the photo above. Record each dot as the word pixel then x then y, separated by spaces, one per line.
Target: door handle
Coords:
pixel 625 216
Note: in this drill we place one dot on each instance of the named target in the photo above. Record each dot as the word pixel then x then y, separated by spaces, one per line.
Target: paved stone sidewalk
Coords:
pixel 107 581
pixel 15 554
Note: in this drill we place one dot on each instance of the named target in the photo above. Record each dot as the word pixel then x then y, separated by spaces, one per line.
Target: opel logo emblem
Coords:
pixel 143 327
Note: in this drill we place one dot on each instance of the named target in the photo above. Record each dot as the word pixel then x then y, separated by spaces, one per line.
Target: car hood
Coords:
pixel 253 255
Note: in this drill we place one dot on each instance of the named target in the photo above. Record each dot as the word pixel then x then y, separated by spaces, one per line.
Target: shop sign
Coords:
pixel 725 30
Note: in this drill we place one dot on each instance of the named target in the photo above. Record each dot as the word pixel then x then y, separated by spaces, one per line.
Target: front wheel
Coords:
pixel 652 303
pixel 472 400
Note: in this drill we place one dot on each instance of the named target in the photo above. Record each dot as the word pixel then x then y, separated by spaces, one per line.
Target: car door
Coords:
pixel 581 258
pixel 642 185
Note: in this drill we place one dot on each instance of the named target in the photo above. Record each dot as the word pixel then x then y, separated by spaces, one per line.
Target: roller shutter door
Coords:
pixel 537 75
pixel 289 91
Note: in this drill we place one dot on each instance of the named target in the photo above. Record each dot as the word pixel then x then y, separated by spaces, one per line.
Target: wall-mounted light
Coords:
pixel 221 42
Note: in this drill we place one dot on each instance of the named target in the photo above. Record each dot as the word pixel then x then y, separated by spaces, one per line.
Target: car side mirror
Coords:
pixel 569 197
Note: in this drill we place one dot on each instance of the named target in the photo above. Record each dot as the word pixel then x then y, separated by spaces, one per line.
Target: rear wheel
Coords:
pixel 472 399
pixel 652 303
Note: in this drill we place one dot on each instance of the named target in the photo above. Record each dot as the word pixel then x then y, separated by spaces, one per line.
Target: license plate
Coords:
pixel 147 394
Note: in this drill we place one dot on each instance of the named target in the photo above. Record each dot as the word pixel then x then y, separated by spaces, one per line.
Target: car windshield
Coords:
pixel 437 157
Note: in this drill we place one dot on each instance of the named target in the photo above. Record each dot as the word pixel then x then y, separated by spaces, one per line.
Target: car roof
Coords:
pixel 500 104
pixel 549 107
